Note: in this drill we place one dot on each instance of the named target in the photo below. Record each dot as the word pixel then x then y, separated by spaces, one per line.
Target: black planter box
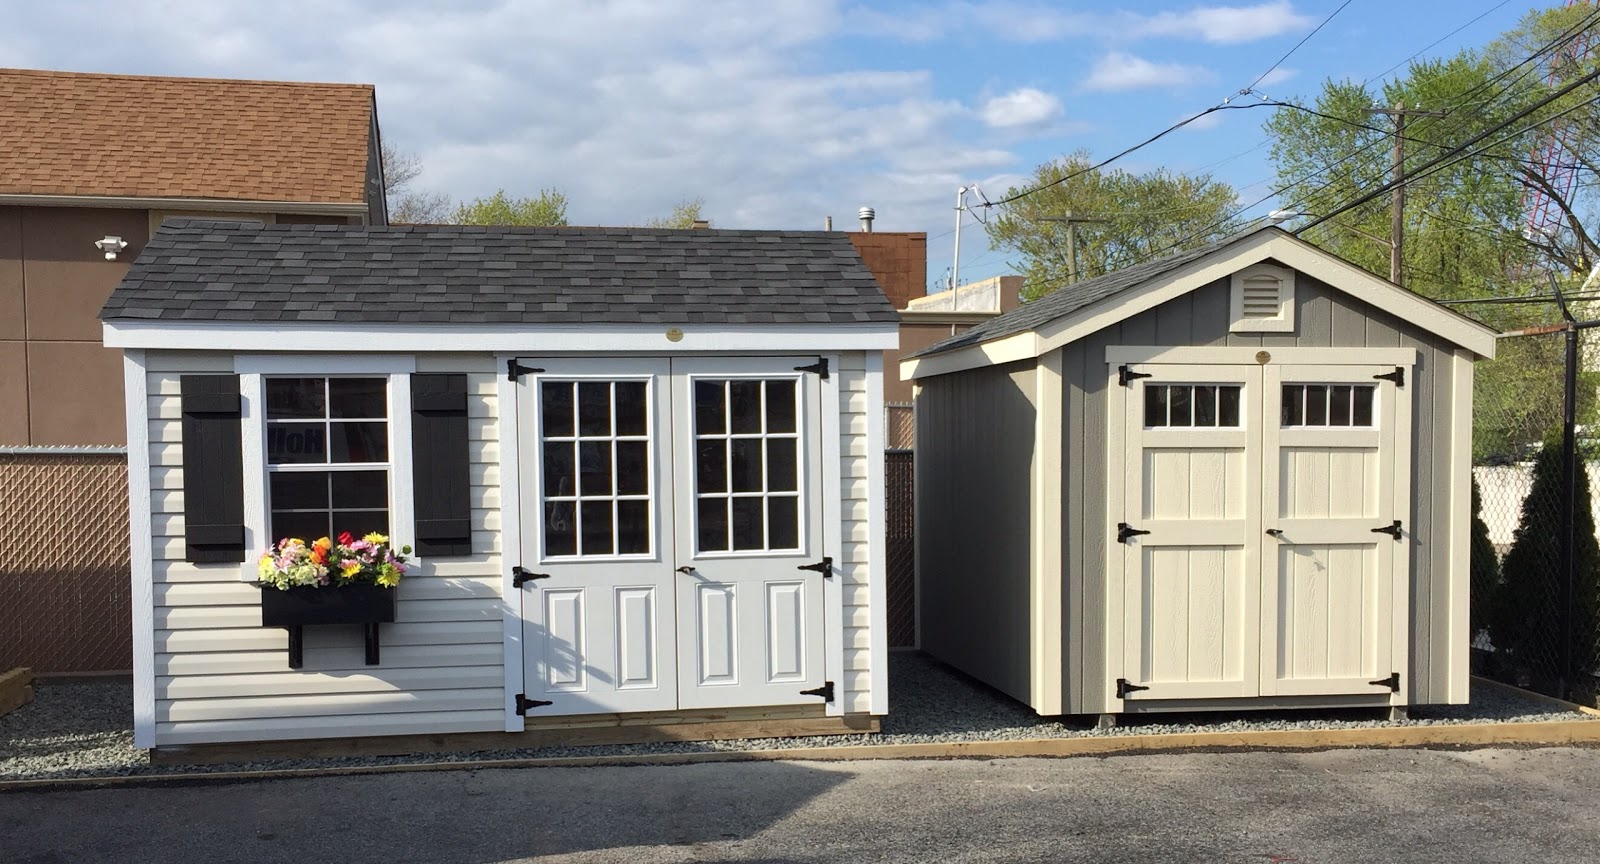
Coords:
pixel 361 603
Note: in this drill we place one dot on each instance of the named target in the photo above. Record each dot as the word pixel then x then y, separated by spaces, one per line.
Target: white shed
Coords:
pixel 636 467
pixel 1235 477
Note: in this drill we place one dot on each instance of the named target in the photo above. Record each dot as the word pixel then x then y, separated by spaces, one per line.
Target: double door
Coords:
pixel 1264 551
pixel 671 509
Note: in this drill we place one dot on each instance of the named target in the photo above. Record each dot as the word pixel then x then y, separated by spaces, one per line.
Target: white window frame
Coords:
pixel 802 492
pixel 253 370
pixel 1283 322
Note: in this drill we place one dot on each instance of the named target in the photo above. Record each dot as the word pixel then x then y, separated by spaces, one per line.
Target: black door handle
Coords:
pixel 686 570
pixel 1274 532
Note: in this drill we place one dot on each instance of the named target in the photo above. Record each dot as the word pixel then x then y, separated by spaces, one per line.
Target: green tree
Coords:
pixel 1527 629
pixel 549 207
pixel 684 214
pixel 1136 216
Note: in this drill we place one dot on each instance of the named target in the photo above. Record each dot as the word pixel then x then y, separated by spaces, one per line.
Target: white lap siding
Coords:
pixel 860 562
pixel 220 676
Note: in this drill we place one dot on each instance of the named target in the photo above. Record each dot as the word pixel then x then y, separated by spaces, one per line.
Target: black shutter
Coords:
pixel 440 474
pixel 213 470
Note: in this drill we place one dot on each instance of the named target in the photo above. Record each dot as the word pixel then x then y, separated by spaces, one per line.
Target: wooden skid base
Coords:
pixel 16 689
pixel 577 731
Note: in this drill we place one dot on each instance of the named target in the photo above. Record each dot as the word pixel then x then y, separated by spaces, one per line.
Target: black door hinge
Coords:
pixel 1398 376
pixel 1392 530
pixel 524 703
pixel 1126 375
pixel 825 567
pixel 1124 687
pixel 825 691
pixel 820 368
pixel 1124 531
pixel 1392 682
pixel 515 370
pixel 520 576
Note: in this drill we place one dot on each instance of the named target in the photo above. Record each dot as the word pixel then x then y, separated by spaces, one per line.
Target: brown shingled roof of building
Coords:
pixel 67 133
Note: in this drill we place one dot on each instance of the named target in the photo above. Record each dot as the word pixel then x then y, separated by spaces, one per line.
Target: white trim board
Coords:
pixel 1116 354
pixel 1268 243
pixel 542 340
pixel 508 412
pixel 141 554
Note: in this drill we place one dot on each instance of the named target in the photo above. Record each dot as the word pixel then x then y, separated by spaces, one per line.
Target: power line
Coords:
pixel 1482 15
pixel 1296 47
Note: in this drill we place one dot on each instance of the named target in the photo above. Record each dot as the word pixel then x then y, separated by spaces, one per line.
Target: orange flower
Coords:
pixel 320 550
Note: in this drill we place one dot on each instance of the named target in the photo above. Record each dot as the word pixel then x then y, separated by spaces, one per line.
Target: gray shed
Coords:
pixel 1235 477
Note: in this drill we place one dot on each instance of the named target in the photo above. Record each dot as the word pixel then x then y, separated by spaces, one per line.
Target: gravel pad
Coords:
pixel 81 729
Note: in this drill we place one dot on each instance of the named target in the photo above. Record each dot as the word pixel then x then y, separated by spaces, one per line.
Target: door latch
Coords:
pixel 1274 532
pixel 1124 531
pixel 686 570
pixel 1391 530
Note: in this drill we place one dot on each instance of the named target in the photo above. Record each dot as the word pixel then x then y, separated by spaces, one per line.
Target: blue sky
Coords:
pixel 778 112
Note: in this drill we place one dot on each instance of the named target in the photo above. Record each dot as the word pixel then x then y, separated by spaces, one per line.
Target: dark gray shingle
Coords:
pixel 195 270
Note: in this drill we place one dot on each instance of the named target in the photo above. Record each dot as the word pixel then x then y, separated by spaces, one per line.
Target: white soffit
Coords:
pixel 1268 243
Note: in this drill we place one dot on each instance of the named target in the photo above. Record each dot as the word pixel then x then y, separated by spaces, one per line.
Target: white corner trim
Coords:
pixel 1048 575
pixel 141 554
pixel 292 337
pixel 831 396
pixel 877 538
pixel 326 364
pixel 1266 244
pixel 1115 573
pixel 253 456
pixel 509 417
pixel 1235 355
pixel 1459 657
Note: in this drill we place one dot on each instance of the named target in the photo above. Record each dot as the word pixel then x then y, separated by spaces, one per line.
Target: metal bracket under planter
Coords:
pixel 362 603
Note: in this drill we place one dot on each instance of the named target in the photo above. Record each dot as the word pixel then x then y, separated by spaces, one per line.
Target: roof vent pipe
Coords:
pixel 827 223
pixel 701 224
pixel 867 214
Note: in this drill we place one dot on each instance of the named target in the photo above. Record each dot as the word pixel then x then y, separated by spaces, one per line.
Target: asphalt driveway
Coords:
pixel 1410 806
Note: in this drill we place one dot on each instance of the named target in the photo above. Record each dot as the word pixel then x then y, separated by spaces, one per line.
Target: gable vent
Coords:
pixel 1258 296
pixel 1262 299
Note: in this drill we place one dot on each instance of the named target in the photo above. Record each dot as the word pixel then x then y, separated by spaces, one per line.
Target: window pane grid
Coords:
pixel 1327 406
pixel 587 514
pixel 1191 406
pixel 309 422
pixel 747 499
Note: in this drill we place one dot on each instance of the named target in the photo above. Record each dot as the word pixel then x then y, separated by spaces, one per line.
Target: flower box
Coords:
pixel 357 603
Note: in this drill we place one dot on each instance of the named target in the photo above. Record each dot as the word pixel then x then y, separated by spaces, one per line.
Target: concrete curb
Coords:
pixel 1543 733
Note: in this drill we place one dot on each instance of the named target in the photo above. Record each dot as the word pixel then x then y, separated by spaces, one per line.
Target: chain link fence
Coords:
pixel 1535 556
pixel 64 584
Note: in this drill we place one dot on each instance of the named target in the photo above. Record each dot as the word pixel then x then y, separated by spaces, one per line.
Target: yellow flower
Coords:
pixel 297 541
pixel 389 576
pixel 375 537
pixel 351 568
pixel 266 567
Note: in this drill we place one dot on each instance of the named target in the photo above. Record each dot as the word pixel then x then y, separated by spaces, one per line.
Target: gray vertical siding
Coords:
pixel 975 451
pixel 1324 317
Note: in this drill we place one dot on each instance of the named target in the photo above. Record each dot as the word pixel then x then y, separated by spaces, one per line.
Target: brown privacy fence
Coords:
pixel 1535 554
pixel 64 585
pixel 900 561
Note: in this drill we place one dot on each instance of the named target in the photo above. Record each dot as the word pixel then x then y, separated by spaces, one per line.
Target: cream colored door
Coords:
pixel 1334 584
pixel 1191 531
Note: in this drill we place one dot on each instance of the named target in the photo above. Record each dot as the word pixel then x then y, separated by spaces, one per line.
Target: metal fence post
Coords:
pixel 1569 465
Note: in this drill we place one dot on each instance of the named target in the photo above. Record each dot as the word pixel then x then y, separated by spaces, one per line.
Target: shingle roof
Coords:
pixel 195 270
pixel 65 133
pixel 1031 316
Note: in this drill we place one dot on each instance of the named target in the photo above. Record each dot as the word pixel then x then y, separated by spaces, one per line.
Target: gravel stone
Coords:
pixel 82 728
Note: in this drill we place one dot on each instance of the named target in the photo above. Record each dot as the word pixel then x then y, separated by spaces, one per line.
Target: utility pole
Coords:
pixel 1397 174
pixel 1072 223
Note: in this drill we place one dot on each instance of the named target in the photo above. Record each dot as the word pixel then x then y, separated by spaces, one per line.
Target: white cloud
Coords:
pixel 1119 71
pixel 1022 107
pixel 1023 22
pixel 1201 122
pixel 1227 25
pixel 1278 76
